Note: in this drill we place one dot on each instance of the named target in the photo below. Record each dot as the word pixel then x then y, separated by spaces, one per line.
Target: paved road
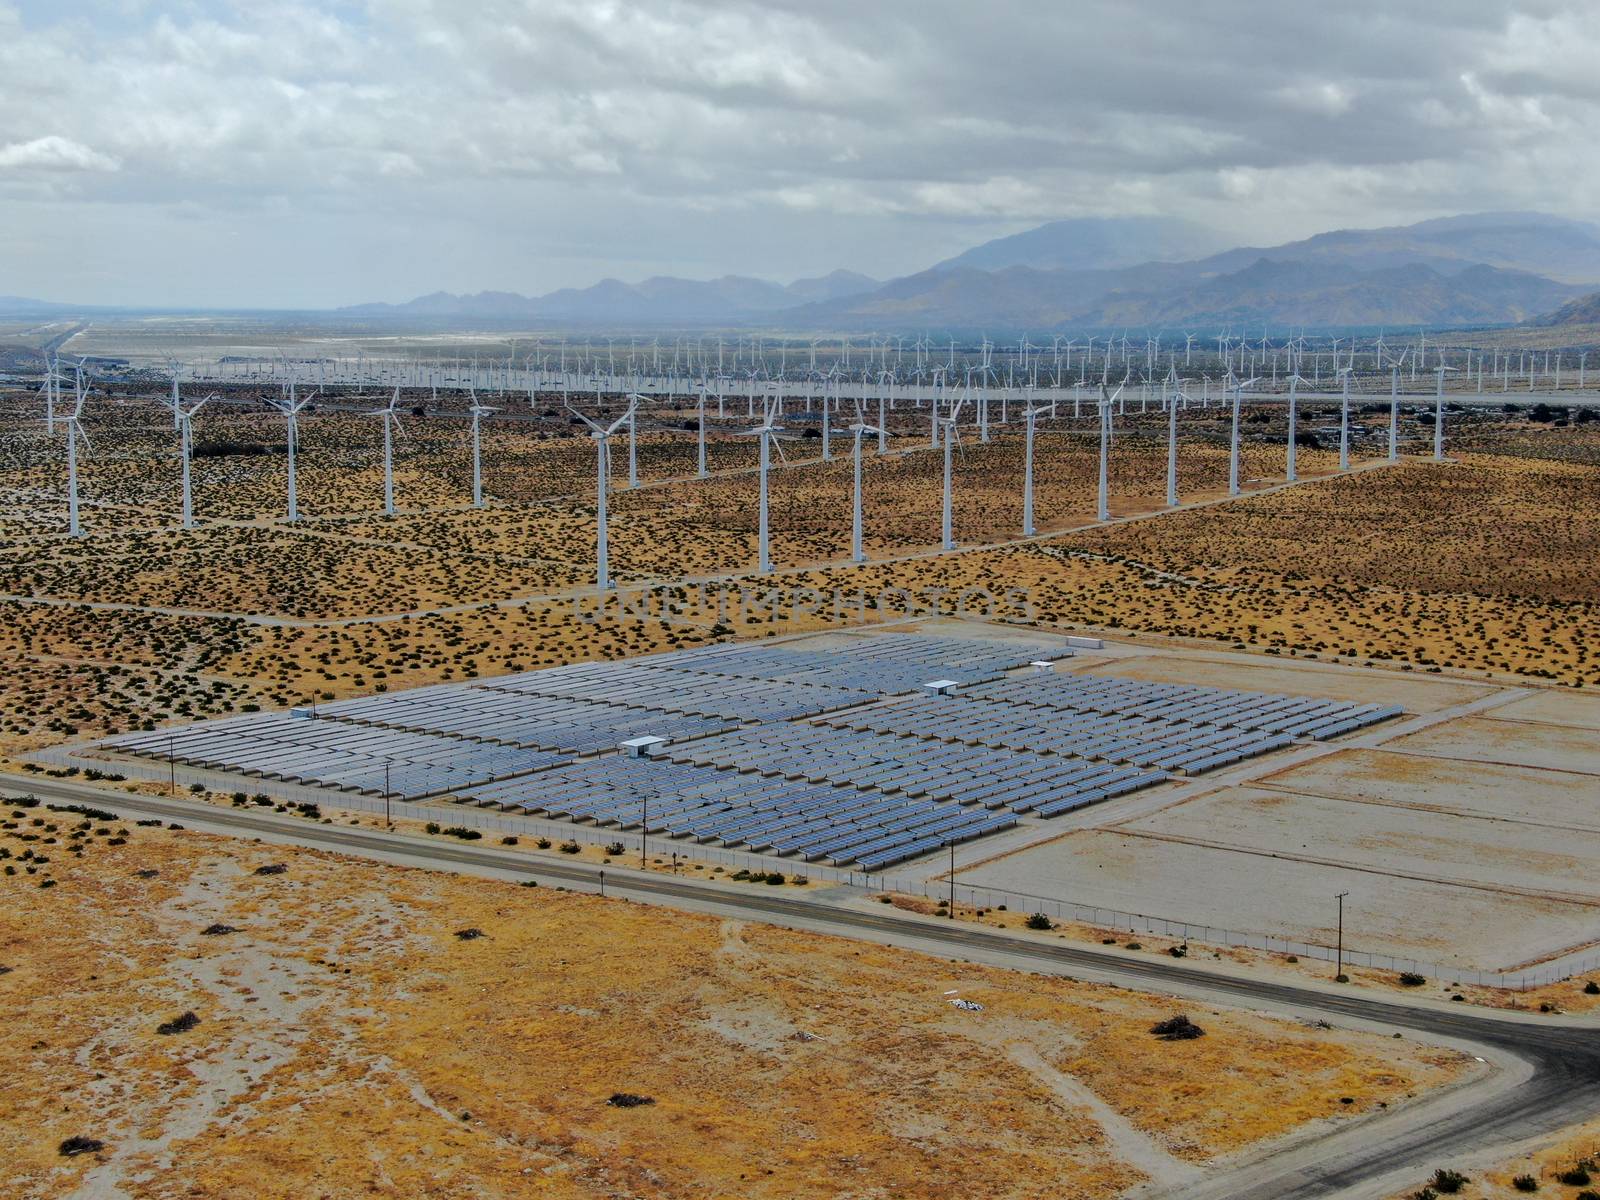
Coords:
pixel 1549 1074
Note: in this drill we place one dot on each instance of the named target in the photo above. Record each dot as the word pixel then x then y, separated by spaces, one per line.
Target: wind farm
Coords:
pixel 755 600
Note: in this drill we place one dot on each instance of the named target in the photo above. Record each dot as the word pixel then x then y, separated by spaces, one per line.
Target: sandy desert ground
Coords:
pixel 348 1039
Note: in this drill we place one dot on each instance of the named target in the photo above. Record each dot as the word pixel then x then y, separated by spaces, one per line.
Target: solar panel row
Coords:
pixel 1137 700
pixel 1168 746
pixel 653 686
pixel 1019 781
pixel 336 754
pixel 813 822
pixel 539 722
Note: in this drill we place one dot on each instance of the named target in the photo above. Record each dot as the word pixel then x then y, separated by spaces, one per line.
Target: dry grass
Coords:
pixel 349 1041
pixel 1481 565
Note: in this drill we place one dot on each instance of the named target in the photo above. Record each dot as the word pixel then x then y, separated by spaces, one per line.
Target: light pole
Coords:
pixel 172 768
pixel 1338 970
pixel 387 822
pixel 644 831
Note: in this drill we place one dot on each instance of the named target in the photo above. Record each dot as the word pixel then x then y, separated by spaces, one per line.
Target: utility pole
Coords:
pixel 644 831
pixel 1338 971
pixel 387 822
pixel 952 846
pixel 172 768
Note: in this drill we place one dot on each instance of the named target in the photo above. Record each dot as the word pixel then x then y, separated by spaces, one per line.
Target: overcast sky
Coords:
pixel 285 153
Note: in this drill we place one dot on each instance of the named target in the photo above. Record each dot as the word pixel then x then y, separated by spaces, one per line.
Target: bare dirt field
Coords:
pixel 1471 842
pixel 1519 743
pixel 1403 917
pixel 347 1039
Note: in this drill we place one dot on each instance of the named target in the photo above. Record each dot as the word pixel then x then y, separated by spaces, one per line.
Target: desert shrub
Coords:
pixel 179 1024
pixel 570 847
pixel 1412 979
pixel 462 832
pixel 1178 951
pixel 508 841
pixel 432 827
pixel 1591 988
pixel 271 869
pixel 1038 921
pixel 1525 1183
pixel 470 934
pixel 615 849
pixel 78 1144
pixel 628 1100
pixel 1448 1182
pixel 775 878
pixel 1177 1029
pixel 1575 1176
pixel 218 929
pixel 94 814
pixel 543 843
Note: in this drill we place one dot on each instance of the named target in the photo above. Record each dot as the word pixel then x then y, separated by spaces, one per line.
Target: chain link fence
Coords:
pixel 181 778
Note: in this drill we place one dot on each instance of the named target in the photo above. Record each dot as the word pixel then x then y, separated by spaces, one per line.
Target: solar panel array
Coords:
pixel 827 748
pixel 1137 700
pixel 814 822
pixel 883 664
pixel 335 754
pixel 1020 781
pixel 1162 745
pixel 654 686
pixel 545 723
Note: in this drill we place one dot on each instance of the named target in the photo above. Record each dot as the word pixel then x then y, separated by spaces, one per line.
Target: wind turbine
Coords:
pixel 177 403
pixel 857 554
pixel 700 472
pixel 478 411
pixel 186 452
pixel 1438 414
pixel 1107 399
pixel 602 444
pixel 1233 435
pixel 1344 420
pixel 391 425
pixel 634 399
pixel 768 432
pixel 950 437
pixel 1289 452
pixel 1029 416
pixel 290 408
pixel 74 424
pixel 1172 449
pixel 52 388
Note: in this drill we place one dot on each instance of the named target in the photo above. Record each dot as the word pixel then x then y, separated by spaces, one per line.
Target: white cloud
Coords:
pixel 52 153
pixel 604 137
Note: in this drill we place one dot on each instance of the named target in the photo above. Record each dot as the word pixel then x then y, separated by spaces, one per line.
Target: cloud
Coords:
pixel 52 153
pixel 536 143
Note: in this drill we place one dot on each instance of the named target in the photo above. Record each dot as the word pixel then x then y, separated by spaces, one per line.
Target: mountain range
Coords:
pixel 1104 273
pixel 1090 274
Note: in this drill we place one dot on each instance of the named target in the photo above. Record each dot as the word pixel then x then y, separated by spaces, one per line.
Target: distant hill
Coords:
pixel 24 307
pixel 1557 248
pixel 1312 294
pixel 1091 244
pixel 662 298
pixel 1585 310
